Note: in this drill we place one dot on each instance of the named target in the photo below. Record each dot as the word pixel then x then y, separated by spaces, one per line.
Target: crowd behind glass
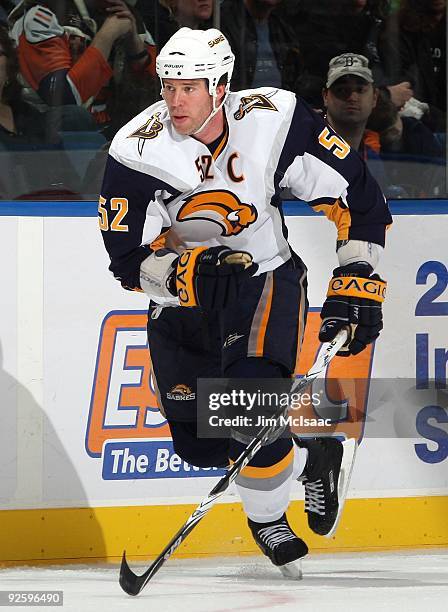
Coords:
pixel 72 72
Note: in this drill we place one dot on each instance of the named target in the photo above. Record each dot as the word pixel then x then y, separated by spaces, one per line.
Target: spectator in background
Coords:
pixel 413 47
pixel 70 56
pixel 192 14
pixel 17 118
pixel 164 17
pixel 349 98
pixel 412 154
pixel 22 133
pixel 330 28
pixel 265 47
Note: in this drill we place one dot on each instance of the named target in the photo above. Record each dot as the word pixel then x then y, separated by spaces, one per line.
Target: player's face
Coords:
pixel 350 100
pixel 189 103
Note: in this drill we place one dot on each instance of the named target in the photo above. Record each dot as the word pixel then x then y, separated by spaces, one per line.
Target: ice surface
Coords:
pixel 408 581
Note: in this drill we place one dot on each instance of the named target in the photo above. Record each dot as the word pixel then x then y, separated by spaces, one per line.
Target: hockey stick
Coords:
pixel 132 583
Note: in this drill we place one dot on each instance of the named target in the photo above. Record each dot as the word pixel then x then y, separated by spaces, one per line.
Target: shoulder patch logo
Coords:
pixel 248 103
pixel 221 207
pixel 148 131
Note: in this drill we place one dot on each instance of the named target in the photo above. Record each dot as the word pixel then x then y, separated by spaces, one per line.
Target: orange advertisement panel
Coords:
pixel 124 404
pixel 347 383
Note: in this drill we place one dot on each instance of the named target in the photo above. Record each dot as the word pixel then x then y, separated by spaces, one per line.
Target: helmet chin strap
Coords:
pixel 212 114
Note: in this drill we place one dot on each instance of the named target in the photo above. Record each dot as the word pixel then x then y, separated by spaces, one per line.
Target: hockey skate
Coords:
pixel 278 542
pixel 326 478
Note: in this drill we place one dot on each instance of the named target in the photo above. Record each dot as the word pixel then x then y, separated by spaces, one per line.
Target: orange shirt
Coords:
pixel 44 49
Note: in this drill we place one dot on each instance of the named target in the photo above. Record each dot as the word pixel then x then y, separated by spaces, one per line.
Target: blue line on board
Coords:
pixel 291 208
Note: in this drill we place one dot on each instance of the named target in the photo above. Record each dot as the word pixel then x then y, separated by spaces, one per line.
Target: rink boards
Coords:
pixel 87 467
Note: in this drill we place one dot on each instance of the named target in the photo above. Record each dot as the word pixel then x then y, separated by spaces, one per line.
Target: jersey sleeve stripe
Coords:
pixel 339 215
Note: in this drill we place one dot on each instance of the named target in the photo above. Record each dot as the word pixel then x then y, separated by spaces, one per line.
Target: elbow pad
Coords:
pixel 355 251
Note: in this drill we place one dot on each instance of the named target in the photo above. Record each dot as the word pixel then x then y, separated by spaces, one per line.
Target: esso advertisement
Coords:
pixel 125 427
pixel 127 432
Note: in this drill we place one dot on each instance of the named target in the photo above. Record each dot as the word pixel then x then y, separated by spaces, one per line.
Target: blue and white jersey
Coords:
pixel 160 183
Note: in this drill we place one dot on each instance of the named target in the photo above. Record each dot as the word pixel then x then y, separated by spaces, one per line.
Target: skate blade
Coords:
pixel 348 460
pixel 292 570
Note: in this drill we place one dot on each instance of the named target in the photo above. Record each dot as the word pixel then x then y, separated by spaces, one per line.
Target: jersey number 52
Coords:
pixel 116 225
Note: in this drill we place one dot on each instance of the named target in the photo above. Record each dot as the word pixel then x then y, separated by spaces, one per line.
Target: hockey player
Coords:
pixel 191 214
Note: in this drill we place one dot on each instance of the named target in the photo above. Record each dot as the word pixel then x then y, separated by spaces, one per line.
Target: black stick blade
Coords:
pixel 130 582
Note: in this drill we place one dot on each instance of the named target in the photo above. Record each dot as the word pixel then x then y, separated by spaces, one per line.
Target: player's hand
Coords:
pixel 354 300
pixel 210 277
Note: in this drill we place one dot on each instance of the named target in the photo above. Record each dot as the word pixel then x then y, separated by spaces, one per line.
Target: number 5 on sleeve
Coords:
pixel 333 143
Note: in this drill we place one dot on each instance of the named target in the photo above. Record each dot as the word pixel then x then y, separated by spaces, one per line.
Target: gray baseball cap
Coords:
pixel 348 64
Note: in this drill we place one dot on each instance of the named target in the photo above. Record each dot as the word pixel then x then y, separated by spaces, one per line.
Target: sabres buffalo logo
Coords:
pixel 249 103
pixel 184 389
pixel 148 131
pixel 220 207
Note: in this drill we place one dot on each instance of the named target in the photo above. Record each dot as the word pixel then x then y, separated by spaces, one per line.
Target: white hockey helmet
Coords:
pixel 197 54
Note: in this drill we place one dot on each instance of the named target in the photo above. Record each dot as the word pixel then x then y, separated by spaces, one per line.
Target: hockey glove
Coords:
pixel 210 277
pixel 353 301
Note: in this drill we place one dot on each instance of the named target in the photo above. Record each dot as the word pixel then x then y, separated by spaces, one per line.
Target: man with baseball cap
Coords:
pixel 349 97
pixel 349 64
